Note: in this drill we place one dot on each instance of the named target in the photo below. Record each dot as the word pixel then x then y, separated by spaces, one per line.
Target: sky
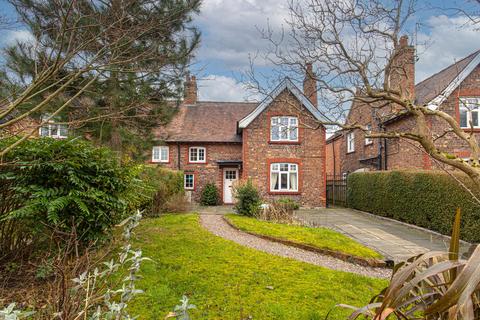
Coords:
pixel 230 35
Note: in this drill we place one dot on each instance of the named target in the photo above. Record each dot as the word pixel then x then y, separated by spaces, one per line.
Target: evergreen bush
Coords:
pixel 210 195
pixel 248 199
pixel 424 198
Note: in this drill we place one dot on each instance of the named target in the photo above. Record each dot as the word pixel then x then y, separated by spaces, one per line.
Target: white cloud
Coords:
pixel 449 40
pixel 230 28
pixel 222 88
pixel 13 36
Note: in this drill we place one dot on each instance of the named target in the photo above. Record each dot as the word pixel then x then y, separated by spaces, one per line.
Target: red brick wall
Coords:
pixel 334 156
pixel 204 172
pixel 309 152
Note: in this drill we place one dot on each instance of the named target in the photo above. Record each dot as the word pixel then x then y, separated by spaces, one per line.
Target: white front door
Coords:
pixel 229 177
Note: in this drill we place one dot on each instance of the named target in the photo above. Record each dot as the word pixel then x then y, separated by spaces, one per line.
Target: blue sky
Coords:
pixel 230 34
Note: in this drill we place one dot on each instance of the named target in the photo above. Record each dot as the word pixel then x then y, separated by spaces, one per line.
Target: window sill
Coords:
pixel 368 144
pixel 189 162
pixel 284 193
pixel 471 130
pixel 284 142
pixel 349 152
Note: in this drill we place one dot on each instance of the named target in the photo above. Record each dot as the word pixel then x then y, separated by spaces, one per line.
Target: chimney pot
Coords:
pixel 403 41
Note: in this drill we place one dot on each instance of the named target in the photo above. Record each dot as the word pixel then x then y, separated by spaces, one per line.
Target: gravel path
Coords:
pixel 216 225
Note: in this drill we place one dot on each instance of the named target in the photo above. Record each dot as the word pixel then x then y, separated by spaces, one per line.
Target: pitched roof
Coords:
pixel 439 86
pixel 206 122
pixel 286 84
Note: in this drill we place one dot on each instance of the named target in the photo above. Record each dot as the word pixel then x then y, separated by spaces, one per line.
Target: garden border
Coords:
pixel 366 262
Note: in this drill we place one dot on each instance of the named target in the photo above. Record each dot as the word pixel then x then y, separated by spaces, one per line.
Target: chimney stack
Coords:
pixel 402 73
pixel 190 90
pixel 310 85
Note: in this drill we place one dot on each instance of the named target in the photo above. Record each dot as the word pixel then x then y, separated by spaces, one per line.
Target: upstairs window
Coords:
pixel 284 177
pixel 160 154
pixel 469 109
pixel 350 142
pixel 284 129
pixel 197 155
pixel 368 131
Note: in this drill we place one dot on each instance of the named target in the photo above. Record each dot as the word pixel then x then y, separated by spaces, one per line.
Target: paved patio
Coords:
pixel 396 241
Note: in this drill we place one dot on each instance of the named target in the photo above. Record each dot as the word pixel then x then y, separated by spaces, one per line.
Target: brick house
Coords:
pixel 455 90
pixel 277 143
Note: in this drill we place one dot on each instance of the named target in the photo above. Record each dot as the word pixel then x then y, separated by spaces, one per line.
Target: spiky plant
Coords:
pixel 431 286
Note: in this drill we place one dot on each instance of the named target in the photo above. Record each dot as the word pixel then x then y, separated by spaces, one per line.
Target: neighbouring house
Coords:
pixel 277 143
pixel 455 90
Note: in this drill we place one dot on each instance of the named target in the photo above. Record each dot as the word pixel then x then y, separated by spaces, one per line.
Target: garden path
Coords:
pixel 393 239
pixel 217 225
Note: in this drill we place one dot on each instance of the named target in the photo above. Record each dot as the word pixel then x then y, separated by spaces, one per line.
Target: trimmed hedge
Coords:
pixel 424 198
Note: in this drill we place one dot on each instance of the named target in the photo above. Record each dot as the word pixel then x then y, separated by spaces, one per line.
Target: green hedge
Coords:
pixel 426 199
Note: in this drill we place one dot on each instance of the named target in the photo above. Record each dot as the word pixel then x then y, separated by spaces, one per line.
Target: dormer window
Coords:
pixel 284 129
pixel 197 155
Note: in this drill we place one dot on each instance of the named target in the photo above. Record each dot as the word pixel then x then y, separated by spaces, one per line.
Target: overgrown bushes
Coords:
pixel 210 196
pixel 426 198
pixel 248 198
pixel 66 186
pixel 166 193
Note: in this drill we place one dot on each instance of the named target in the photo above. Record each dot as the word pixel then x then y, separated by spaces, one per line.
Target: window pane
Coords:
pixel 63 130
pixel 293 167
pixel 284 181
pixel 201 154
pixel 274 121
pixel 293 121
pixel 274 181
pixel 463 118
pixel 193 154
pixel 164 153
pixel 275 133
pixel 284 167
pixel 284 121
pixel 293 181
pixel 275 166
pixel 283 133
pixel 475 118
pixel 53 129
pixel 44 132
pixel 189 181
pixel 293 133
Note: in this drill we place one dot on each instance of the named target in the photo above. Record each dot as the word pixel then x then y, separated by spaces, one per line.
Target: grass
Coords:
pixel 228 281
pixel 318 237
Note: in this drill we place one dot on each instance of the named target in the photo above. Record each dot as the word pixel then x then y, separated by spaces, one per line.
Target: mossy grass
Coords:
pixel 228 281
pixel 322 238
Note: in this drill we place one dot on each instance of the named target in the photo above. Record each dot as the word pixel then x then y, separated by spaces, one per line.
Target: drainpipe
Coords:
pixel 178 157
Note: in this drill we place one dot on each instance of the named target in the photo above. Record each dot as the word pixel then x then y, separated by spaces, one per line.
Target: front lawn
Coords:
pixel 227 281
pixel 322 238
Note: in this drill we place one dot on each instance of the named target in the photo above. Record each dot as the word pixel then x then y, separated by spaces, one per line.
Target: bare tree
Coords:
pixel 361 58
pixel 79 46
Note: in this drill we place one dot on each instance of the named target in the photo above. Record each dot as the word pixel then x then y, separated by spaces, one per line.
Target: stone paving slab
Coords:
pixel 394 240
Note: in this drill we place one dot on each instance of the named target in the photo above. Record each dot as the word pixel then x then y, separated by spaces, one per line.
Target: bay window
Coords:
pixel 283 129
pixel 283 177
pixel 469 109
pixel 197 154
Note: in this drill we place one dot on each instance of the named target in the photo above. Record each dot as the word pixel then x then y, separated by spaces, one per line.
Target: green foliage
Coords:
pixel 248 199
pixel 289 203
pixel 210 195
pixel 322 238
pixel 427 199
pixel 164 187
pixel 70 186
pixel 228 281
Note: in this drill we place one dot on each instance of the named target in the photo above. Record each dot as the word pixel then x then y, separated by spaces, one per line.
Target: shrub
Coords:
pixel 210 196
pixel 248 198
pixel 289 203
pixel 165 190
pixel 69 186
pixel 279 211
pixel 423 198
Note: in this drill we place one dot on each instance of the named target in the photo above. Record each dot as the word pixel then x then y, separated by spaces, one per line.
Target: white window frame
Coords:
pixel 368 141
pixel 160 153
pixel 350 141
pixel 50 126
pixel 185 181
pixel 197 160
pixel 469 105
pixel 292 126
pixel 292 169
